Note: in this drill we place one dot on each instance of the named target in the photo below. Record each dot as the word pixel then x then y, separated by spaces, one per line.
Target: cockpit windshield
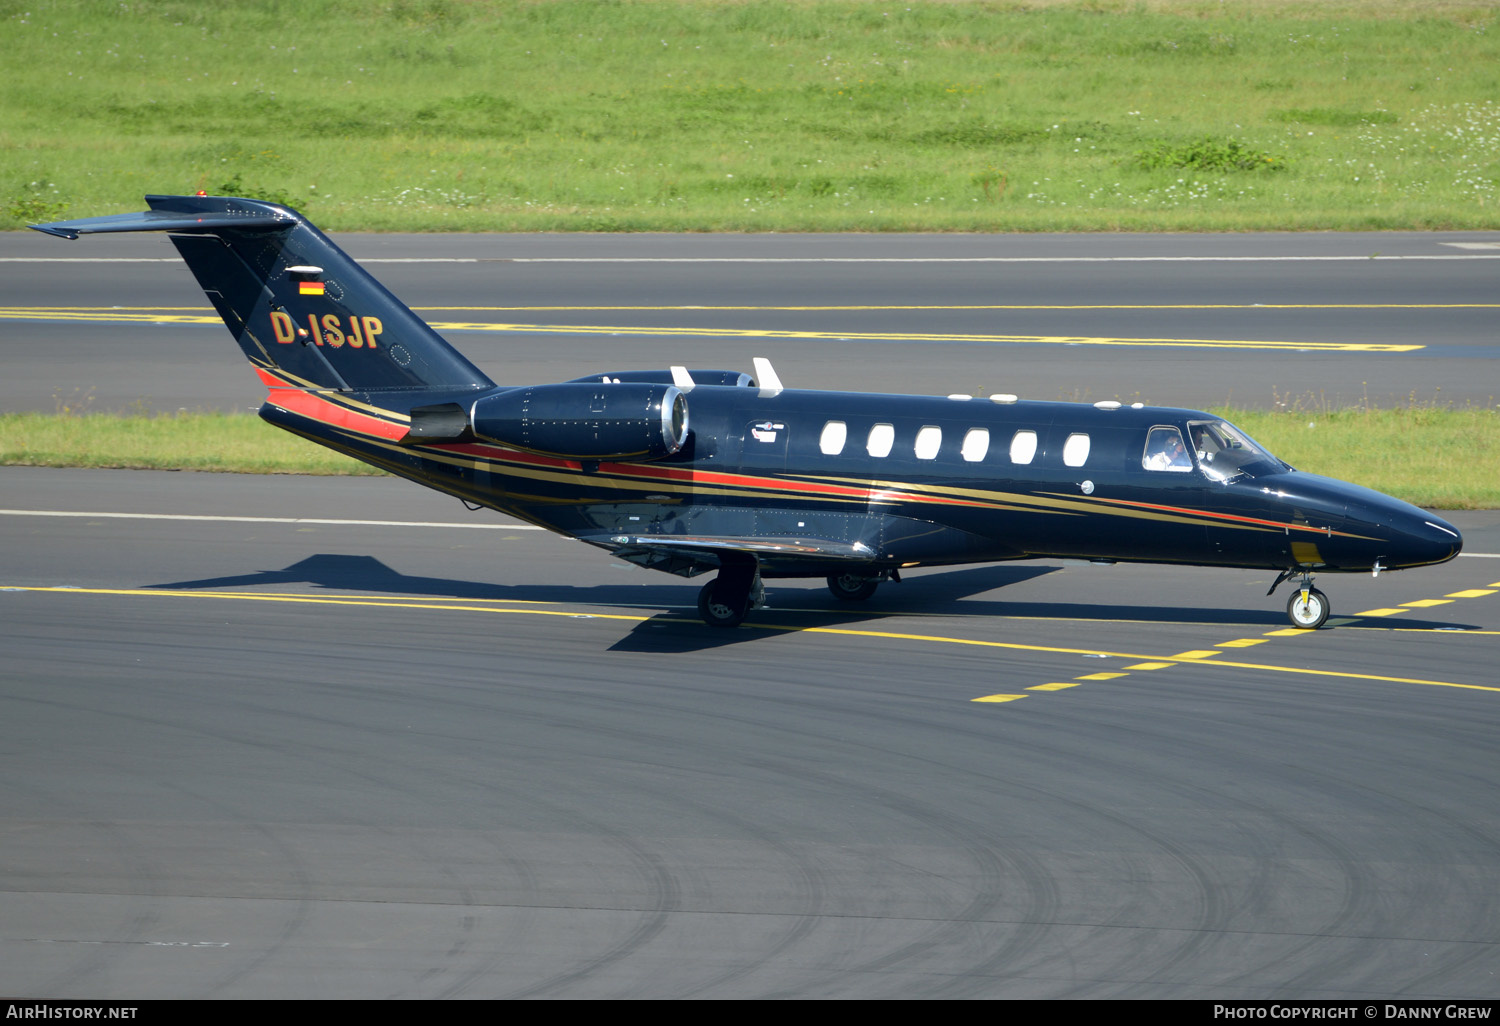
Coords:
pixel 1227 454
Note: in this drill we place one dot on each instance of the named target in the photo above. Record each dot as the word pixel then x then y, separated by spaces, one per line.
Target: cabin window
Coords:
pixel 976 444
pixel 1076 450
pixel 1165 450
pixel 835 432
pixel 882 437
pixel 1023 447
pixel 929 440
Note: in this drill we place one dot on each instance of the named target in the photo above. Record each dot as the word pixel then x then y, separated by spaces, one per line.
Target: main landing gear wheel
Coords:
pixel 852 587
pixel 722 610
pixel 1309 614
pixel 725 600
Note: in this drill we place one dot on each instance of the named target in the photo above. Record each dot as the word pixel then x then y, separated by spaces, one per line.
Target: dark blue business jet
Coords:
pixel 691 471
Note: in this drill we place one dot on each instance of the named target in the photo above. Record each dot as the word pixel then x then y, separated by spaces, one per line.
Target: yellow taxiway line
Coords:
pixel 124 316
pixel 523 607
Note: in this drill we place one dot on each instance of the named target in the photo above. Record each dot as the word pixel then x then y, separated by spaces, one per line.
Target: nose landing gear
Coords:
pixel 1308 607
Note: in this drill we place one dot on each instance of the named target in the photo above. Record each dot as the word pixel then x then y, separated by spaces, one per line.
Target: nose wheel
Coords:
pixel 1307 608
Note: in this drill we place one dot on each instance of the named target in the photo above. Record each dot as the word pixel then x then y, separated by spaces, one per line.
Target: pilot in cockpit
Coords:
pixel 1165 451
pixel 1199 441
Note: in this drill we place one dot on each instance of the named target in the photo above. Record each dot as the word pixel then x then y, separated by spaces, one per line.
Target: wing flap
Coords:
pixel 688 555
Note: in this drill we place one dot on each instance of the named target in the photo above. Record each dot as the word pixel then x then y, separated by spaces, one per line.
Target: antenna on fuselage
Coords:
pixel 765 376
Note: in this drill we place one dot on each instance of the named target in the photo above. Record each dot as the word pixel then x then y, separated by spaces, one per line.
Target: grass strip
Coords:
pixel 762 115
pixel 235 443
pixel 1434 457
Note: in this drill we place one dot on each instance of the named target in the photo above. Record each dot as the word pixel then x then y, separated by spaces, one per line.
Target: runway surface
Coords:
pixel 299 737
pixel 113 322
pixel 269 748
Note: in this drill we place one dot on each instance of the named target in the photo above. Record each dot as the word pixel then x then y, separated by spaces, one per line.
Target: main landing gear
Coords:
pixel 729 597
pixel 853 587
pixel 1308 607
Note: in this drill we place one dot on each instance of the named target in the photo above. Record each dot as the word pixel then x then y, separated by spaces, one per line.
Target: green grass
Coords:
pixel 762 116
pixel 1436 457
pixel 1456 465
pixel 236 443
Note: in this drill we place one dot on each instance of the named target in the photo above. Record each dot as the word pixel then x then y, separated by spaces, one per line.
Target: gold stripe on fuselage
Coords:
pixel 863 493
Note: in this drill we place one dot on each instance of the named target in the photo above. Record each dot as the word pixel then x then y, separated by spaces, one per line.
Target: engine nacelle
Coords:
pixel 591 421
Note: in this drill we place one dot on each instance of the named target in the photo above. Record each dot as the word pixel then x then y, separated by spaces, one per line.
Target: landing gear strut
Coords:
pixel 725 600
pixel 1308 607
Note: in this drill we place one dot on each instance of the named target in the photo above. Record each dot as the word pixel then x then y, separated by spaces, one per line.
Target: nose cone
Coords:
pixel 1431 540
pixel 1377 530
pixel 1403 535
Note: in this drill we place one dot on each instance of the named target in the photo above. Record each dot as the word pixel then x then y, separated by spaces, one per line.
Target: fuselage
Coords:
pixel 918 480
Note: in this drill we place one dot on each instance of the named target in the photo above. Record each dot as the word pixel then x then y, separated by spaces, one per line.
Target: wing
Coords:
pixel 689 555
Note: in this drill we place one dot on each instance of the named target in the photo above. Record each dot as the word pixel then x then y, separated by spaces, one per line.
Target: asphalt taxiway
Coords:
pixel 308 737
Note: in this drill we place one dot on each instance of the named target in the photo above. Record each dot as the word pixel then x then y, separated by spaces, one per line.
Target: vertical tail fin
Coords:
pixel 296 303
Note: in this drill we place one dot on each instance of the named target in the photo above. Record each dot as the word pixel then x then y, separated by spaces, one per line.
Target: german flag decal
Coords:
pixel 310 288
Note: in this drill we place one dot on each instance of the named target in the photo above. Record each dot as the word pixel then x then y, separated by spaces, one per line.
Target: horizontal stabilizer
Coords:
pixel 240 219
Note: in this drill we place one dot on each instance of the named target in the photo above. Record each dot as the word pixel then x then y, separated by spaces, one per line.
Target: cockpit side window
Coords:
pixel 1165 450
pixel 1226 453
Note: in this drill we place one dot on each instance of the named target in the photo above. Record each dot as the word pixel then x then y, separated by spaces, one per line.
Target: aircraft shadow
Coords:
pixel 675 627
pixel 368 574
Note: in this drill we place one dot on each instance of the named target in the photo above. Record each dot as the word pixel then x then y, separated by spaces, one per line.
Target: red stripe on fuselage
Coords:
pixel 316 407
pixel 675 475
pixel 1229 517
